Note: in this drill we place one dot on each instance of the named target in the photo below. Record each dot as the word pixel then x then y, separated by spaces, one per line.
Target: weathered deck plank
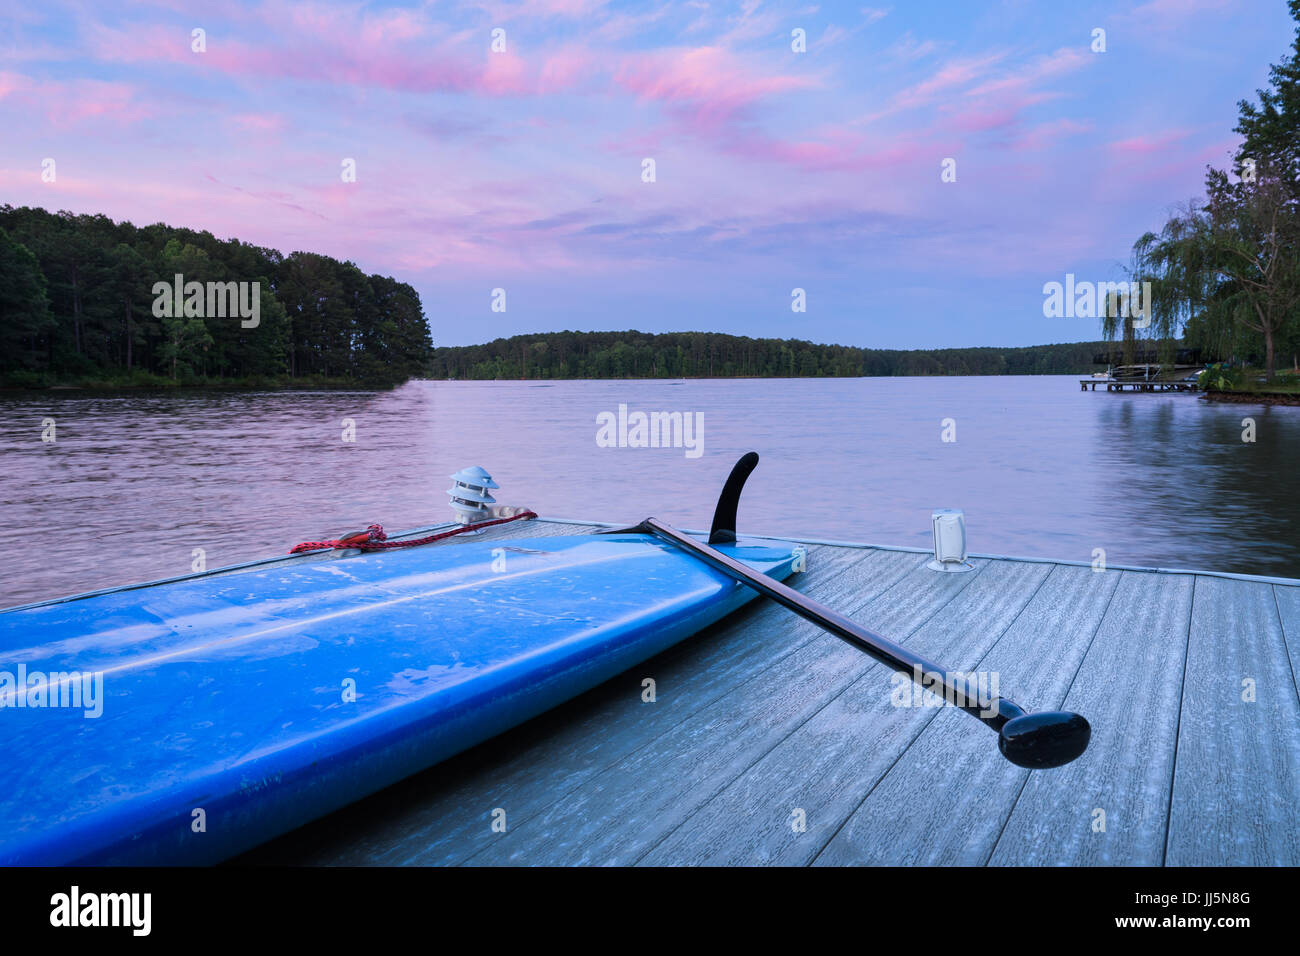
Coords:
pixel 826 765
pixel 623 811
pixel 1236 797
pixel 1129 687
pixel 442 816
pixel 1288 612
pixel 947 798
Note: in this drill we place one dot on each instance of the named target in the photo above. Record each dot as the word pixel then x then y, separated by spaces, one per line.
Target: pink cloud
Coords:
pixel 950 76
pixel 835 152
pixel 74 101
pixel 565 70
pixel 154 44
pixel 12 82
pixel 328 47
pixel 541 9
pixel 565 8
pixel 1061 61
pixel 907 48
pixel 1045 134
pixel 1001 97
pixel 998 103
pixel 402 51
pixel 711 81
pixel 259 122
pixel 368 29
pixel 1172 13
pixel 1142 145
pixel 504 75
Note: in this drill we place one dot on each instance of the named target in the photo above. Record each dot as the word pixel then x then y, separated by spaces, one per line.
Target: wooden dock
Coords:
pixel 763 721
pixel 1136 385
pixel 1145 377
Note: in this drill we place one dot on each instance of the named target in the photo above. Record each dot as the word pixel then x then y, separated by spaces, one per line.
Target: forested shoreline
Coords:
pixel 633 354
pixel 79 304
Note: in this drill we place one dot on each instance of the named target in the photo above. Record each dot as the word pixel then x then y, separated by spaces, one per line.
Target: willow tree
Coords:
pixel 1171 265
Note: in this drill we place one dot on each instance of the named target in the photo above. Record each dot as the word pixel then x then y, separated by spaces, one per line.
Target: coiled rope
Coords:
pixel 374 538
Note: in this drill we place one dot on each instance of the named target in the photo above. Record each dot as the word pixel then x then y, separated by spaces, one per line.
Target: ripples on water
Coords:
pixel 136 481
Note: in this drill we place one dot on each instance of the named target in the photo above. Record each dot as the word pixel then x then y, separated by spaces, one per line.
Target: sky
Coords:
pixel 524 167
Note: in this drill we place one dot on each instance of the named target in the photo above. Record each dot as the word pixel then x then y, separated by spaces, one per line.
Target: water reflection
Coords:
pixel 136 482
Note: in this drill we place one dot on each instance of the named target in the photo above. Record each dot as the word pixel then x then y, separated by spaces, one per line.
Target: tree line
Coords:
pixel 79 300
pixel 632 354
pixel 1225 268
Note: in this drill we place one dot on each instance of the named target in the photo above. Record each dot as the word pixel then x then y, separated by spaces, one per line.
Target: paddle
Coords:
pixel 1033 740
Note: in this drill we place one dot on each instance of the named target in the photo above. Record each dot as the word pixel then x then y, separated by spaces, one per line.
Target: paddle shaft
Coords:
pixel 994 712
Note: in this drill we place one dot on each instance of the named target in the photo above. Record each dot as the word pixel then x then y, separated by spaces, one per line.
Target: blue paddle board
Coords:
pixel 187 721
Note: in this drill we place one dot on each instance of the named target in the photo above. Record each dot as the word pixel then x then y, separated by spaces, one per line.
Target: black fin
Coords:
pixel 724 516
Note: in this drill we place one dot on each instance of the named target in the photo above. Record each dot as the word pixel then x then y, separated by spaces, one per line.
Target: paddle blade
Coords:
pixel 1046 739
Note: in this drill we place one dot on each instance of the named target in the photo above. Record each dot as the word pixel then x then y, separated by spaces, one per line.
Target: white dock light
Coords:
pixel 469 494
pixel 949 541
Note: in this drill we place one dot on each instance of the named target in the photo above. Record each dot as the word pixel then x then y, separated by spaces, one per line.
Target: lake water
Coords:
pixel 134 482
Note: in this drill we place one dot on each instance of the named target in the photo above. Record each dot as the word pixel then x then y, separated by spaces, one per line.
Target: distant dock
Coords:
pixel 1138 385
pixel 1147 377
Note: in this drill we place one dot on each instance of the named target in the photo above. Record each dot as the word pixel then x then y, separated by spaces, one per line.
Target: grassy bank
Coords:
pixel 1248 380
pixel 1291 397
pixel 1247 385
